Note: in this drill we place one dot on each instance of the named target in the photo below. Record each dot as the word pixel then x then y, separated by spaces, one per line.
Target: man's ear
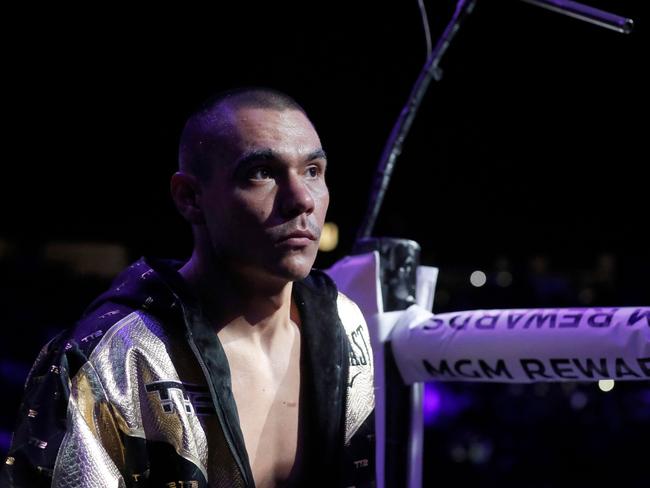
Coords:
pixel 186 192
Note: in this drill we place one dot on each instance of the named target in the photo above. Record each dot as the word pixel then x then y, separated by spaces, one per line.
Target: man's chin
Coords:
pixel 295 268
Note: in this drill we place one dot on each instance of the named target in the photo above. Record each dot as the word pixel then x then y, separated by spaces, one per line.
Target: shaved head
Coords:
pixel 208 132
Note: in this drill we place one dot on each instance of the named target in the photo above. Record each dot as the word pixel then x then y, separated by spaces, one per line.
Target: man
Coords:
pixel 232 369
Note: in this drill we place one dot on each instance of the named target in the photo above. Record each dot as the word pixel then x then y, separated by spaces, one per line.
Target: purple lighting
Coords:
pixel 441 402
pixel 14 372
pixel 431 404
pixel 5 441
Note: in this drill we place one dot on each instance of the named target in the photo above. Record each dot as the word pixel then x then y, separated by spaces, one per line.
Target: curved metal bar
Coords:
pixel 393 146
pixel 588 14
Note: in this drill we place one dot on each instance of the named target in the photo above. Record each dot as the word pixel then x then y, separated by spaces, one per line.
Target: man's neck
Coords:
pixel 238 305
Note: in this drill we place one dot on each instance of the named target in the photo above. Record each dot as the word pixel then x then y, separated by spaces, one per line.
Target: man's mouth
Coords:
pixel 300 234
pixel 297 238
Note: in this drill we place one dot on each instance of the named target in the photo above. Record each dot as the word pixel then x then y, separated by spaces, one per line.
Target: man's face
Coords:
pixel 265 204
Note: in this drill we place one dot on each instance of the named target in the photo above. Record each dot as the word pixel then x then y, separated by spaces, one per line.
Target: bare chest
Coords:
pixel 266 388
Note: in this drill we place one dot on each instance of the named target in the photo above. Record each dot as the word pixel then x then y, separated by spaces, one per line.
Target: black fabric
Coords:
pixel 47 394
pixel 167 465
pixel 325 366
pixel 153 464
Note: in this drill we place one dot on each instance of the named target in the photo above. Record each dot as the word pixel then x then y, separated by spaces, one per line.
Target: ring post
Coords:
pixel 402 403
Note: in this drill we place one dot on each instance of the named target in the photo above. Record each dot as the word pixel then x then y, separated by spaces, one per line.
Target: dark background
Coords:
pixel 528 157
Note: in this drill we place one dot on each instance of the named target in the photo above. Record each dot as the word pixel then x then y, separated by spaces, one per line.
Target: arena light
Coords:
pixel 329 237
pixel 432 403
pixel 606 385
pixel 478 279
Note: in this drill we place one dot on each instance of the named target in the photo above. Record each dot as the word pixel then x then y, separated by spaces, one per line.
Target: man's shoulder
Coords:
pixel 92 328
pixel 349 312
pixel 114 325
pixel 140 294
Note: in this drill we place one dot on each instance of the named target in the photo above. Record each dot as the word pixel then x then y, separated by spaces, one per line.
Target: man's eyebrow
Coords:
pixel 256 155
pixel 317 154
pixel 270 155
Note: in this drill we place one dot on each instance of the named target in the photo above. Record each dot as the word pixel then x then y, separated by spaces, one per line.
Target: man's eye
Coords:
pixel 260 173
pixel 313 171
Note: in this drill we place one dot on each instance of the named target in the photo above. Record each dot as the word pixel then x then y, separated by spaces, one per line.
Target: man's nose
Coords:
pixel 296 197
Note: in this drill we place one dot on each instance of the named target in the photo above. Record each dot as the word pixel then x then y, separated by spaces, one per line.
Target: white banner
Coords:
pixel 523 345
